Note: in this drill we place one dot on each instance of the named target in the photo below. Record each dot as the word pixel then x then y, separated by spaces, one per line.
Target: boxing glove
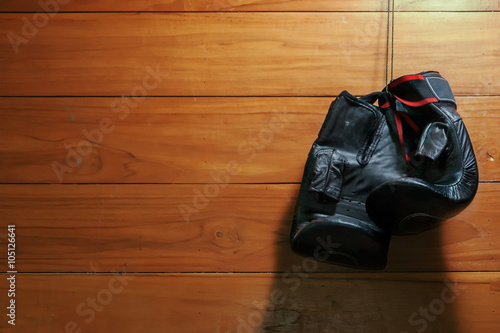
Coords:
pixel 353 154
pixel 441 176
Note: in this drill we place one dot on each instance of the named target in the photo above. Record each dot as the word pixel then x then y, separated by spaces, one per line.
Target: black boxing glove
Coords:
pixel 442 176
pixel 353 154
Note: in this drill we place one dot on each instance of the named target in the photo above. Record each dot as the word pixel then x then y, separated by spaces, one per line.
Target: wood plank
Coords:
pixel 246 5
pixel 452 302
pixel 242 54
pixel 185 140
pixel 244 228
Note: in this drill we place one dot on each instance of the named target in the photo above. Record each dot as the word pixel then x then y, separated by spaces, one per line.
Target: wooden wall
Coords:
pixel 152 152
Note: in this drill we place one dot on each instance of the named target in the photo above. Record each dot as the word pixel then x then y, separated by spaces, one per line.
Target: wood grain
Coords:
pixel 242 54
pixel 185 140
pixel 189 193
pixel 237 228
pixel 247 5
pixel 453 302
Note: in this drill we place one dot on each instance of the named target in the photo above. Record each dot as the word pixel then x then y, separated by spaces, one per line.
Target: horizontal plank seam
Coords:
pixel 248 11
pixel 207 183
pixel 257 272
pixel 210 96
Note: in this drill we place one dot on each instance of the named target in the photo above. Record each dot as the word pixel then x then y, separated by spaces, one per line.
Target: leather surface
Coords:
pixel 401 167
pixel 442 176
pixel 354 152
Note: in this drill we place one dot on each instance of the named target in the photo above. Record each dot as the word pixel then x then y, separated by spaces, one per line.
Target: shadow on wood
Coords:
pixel 318 297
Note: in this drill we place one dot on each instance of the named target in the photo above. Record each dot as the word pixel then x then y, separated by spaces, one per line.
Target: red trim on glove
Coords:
pixel 410 122
pixel 404 79
pixel 400 133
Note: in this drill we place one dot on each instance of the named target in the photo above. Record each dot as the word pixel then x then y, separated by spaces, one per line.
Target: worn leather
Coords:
pixel 354 153
pixel 442 176
pixel 400 167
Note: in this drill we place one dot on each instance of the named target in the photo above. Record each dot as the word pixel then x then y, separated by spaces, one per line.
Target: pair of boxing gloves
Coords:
pixel 400 167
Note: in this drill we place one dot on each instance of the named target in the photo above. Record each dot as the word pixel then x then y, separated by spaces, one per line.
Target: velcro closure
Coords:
pixel 327 174
pixel 441 89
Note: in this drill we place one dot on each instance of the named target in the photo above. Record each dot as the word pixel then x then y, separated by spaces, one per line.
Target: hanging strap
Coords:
pixel 390 35
pixel 395 111
pixel 410 90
